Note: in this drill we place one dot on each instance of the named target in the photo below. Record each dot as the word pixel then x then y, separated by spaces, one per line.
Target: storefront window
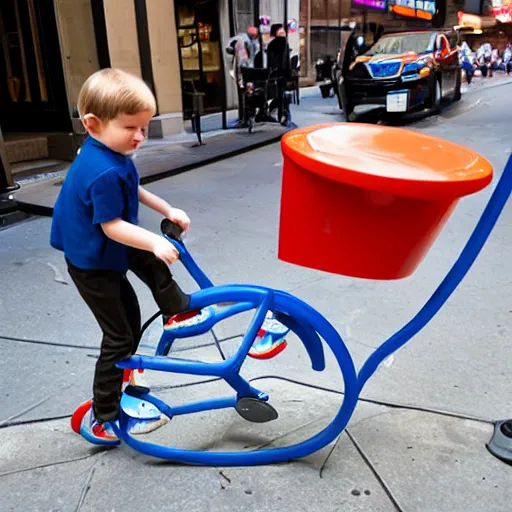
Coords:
pixel 200 52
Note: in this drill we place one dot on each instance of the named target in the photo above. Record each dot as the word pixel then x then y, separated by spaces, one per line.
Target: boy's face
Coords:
pixel 124 134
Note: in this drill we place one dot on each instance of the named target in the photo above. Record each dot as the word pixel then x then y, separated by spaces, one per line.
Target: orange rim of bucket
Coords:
pixel 391 160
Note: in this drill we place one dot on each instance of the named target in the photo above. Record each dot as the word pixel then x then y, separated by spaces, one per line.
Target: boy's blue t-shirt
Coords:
pixel 101 185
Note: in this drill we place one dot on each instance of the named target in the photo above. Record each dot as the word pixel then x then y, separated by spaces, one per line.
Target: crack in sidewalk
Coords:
pixel 328 456
pixel 86 487
pixel 373 469
pixel 48 465
pixel 8 421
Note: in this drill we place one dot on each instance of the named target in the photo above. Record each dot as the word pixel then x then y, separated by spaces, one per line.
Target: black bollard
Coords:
pixel 500 444
pixel 7 204
pixel 197 99
pixel 6 183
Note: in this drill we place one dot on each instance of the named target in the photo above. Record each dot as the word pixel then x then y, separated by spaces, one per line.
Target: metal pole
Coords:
pixel 286 16
pixel 256 9
pixel 199 51
pixel 223 67
pixel 308 40
pixel 6 182
pixel 231 14
pixel 256 13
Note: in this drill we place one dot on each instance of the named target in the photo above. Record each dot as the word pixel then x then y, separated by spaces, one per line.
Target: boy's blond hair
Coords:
pixel 111 92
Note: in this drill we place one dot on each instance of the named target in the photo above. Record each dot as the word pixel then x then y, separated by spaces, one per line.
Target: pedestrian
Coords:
pixel 95 225
pixel 246 51
pixel 278 50
pixel 507 58
pixel 277 30
pixel 245 47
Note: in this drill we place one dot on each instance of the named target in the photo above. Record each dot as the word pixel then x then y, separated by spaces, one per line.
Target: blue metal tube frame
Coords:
pixel 296 309
pixel 168 336
pixel 311 321
pixel 179 410
pixel 455 275
pixel 189 263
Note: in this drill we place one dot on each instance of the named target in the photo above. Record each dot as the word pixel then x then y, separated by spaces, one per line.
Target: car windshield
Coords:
pixel 398 44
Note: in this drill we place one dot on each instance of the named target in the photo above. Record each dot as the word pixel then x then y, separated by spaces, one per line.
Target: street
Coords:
pixel 417 442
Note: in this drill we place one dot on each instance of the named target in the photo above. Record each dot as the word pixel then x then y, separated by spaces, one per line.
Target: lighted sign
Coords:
pixel 380 5
pixel 264 25
pixel 475 22
pixel 415 8
pixel 502 10
pixel 293 26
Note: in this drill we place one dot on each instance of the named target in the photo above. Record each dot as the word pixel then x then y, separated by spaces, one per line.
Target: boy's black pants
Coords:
pixel 114 304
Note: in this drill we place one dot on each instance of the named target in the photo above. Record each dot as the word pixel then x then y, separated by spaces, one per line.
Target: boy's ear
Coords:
pixel 91 123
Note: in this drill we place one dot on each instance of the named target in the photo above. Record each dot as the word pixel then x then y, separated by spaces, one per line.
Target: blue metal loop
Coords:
pixel 301 313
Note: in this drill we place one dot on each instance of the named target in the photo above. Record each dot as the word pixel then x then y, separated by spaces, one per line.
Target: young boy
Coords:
pixel 95 225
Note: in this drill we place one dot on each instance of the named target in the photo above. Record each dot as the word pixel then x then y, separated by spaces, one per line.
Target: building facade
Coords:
pixel 50 47
pixel 320 21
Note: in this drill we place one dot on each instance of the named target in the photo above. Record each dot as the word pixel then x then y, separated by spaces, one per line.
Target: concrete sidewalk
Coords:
pixel 159 158
pixel 387 460
pixel 416 442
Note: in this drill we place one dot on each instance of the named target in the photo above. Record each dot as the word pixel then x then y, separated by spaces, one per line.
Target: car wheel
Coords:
pixel 435 96
pixel 348 109
pixel 348 112
pixel 337 92
pixel 457 95
pixel 325 90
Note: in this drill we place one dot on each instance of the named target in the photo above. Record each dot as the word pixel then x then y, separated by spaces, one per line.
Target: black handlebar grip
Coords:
pixel 171 229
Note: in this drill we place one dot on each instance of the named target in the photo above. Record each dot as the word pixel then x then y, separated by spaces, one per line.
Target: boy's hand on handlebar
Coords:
pixel 179 217
pixel 165 251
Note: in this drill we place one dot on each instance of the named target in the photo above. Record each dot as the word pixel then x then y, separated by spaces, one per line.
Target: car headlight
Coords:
pixel 414 67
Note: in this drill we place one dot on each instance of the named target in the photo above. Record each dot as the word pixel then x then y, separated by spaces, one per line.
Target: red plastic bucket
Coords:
pixel 368 201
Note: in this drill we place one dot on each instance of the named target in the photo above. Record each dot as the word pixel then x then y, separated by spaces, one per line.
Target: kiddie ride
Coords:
pixel 380 197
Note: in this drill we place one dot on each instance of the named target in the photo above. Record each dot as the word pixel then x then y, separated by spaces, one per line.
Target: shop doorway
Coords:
pixel 201 61
pixel 32 88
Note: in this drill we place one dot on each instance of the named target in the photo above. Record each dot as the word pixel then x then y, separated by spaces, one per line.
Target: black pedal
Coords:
pixel 136 391
pixel 255 411
pixel 171 229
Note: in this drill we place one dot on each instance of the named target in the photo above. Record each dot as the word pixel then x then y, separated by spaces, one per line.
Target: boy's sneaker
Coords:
pixel 270 340
pixel 186 319
pixel 103 431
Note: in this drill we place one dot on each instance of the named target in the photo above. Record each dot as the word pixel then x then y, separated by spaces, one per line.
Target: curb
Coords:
pixel 491 86
pixel 47 211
